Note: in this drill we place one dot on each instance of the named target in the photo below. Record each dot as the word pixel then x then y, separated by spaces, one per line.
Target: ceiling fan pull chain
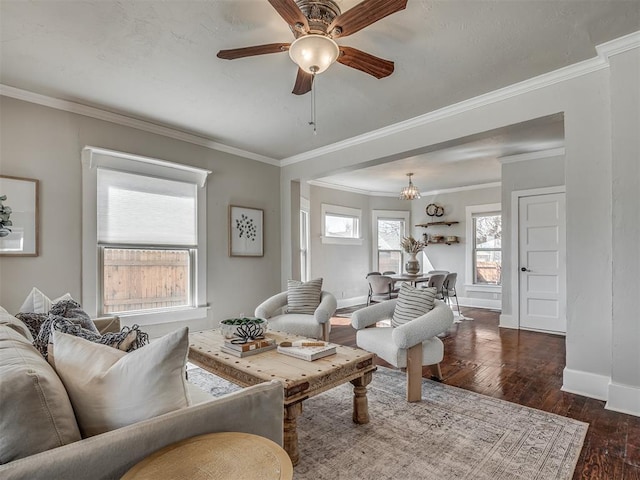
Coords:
pixel 313 104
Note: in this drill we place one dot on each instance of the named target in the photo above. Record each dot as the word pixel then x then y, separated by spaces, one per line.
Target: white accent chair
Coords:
pixel 409 346
pixel 316 326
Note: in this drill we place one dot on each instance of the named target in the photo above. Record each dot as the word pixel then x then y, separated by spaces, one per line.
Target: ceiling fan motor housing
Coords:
pixel 319 13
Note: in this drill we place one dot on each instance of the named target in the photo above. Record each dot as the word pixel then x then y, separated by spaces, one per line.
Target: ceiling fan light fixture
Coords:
pixel 410 192
pixel 314 53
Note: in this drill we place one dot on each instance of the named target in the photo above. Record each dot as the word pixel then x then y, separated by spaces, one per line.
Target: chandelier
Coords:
pixel 410 192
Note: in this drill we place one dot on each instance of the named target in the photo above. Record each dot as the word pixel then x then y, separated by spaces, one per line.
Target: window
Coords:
pixel 389 228
pixel 487 247
pixel 484 247
pixel 141 238
pixel 341 225
pixel 304 240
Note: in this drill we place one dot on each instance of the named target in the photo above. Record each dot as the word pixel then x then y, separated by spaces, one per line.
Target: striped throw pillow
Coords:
pixel 303 297
pixel 412 303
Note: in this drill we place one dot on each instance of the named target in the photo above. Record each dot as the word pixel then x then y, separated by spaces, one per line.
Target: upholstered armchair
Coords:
pixel 410 345
pixel 316 326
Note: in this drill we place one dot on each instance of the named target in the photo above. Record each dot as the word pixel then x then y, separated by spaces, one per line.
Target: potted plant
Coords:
pixel 247 328
pixel 412 246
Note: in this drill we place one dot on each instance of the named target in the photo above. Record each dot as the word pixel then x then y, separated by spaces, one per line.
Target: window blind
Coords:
pixel 137 209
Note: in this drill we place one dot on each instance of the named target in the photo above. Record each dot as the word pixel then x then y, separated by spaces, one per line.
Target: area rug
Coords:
pixel 451 434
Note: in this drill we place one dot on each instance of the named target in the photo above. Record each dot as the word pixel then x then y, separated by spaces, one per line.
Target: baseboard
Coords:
pixel 624 399
pixel 479 303
pixel 350 302
pixel 508 321
pixel 586 384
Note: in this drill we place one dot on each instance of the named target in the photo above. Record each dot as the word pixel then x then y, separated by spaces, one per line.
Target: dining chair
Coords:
pixel 437 280
pixel 396 284
pixel 381 287
pixel 449 289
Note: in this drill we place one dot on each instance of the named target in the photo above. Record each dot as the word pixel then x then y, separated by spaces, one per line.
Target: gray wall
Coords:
pixel 625 113
pixel 451 257
pixel 543 172
pixel 45 143
pixel 344 267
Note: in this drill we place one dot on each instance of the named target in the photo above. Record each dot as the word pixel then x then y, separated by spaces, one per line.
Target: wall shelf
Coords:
pixel 444 242
pixel 434 224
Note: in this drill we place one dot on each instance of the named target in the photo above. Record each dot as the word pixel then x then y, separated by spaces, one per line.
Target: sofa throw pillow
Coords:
pixel 412 303
pixel 110 389
pixel 303 297
pixel 38 302
pixel 35 411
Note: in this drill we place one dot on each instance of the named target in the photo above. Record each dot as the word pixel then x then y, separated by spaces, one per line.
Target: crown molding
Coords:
pixel 465 188
pixel 618 45
pixel 332 186
pixel 523 157
pixel 97 113
pixel 541 81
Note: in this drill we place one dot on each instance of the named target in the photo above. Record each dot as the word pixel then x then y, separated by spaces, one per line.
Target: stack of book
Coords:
pixel 308 351
pixel 249 348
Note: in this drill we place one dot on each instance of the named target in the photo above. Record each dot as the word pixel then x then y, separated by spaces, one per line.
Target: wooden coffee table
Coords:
pixel 300 379
pixel 216 456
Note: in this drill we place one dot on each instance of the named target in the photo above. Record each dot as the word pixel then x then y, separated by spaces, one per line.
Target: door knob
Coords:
pixel 525 269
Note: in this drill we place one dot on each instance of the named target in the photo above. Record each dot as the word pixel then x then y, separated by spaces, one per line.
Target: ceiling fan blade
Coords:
pixel 354 58
pixel 363 15
pixel 303 84
pixel 251 51
pixel 290 12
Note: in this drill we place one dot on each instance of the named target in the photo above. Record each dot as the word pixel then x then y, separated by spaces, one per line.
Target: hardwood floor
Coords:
pixel 526 368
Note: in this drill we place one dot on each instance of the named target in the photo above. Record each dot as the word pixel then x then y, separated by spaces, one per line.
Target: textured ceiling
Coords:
pixel 155 60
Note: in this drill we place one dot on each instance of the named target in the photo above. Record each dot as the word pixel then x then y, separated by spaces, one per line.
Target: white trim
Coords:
pixel 506 321
pixel 102 157
pixel 585 383
pixel 350 302
pixel 464 188
pixel 132 122
pixel 470 210
pixel 166 316
pixel 373 193
pixel 541 81
pixel 523 157
pixel 618 45
pixel 340 240
pixel 624 399
pixel 480 303
pixel 482 288
pixel 515 245
pixel 389 214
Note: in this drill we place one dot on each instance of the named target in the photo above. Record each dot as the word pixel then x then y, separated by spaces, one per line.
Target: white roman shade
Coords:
pixel 141 210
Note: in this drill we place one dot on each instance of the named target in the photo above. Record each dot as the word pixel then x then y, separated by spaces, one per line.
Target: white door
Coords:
pixel 542 265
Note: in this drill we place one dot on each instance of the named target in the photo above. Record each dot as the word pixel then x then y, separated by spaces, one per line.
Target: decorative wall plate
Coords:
pixel 434 210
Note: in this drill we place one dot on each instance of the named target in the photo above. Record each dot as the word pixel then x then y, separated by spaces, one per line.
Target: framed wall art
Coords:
pixel 18 216
pixel 246 232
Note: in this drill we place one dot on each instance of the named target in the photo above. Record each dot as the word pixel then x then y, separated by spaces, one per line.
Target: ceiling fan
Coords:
pixel 316 24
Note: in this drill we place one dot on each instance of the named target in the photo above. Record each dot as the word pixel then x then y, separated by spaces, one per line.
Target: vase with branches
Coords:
pixel 412 246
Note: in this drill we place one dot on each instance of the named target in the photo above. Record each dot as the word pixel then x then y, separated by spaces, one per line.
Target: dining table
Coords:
pixel 413 279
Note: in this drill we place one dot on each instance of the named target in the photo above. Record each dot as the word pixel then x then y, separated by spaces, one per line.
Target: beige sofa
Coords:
pixel 23 374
